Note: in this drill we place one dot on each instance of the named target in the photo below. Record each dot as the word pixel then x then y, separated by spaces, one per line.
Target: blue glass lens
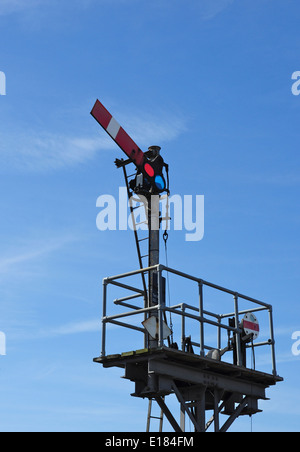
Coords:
pixel 159 182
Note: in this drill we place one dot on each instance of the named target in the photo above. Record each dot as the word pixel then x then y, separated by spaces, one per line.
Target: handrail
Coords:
pixel 200 315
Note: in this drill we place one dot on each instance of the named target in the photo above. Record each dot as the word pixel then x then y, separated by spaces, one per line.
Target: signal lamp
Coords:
pixel 153 169
pixel 160 183
pixel 149 170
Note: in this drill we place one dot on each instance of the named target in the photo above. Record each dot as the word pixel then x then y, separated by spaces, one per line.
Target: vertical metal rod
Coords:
pixel 237 336
pixel 216 410
pixel 274 370
pixel 149 416
pixel 200 412
pixel 201 316
pixel 182 417
pixel 160 309
pixel 161 420
pixel 104 315
pixel 153 225
pixel 219 335
pixel 182 327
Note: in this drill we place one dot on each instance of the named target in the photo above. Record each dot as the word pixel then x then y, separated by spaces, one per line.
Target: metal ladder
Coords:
pixel 132 210
pixel 138 240
pixel 150 416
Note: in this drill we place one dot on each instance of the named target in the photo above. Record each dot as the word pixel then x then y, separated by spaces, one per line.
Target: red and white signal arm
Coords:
pixel 251 325
pixel 152 170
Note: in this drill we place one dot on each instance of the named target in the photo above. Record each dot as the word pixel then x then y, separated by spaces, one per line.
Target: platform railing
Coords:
pixel 186 311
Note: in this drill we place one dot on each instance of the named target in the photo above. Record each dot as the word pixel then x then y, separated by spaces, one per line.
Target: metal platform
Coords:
pixel 199 382
pixel 219 386
pixel 188 361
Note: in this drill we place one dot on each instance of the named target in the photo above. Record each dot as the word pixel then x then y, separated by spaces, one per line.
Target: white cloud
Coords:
pixel 40 151
pixel 86 326
pixel 34 250
pixel 148 130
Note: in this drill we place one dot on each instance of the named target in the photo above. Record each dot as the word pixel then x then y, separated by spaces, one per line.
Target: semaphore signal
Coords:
pixel 204 374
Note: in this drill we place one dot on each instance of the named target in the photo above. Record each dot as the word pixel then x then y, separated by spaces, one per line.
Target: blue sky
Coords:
pixel 209 81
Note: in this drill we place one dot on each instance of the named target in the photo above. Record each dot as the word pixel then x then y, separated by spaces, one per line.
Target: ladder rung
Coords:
pixel 150 416
pixel 146 255
pixel 141 240
pixel 142 222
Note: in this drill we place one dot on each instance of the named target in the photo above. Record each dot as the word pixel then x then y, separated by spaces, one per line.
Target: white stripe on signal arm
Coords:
pixel 113 128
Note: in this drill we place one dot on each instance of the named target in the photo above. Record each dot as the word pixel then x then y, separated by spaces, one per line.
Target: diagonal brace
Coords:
pixel 187 410
pixel 234 415
pixel 168 414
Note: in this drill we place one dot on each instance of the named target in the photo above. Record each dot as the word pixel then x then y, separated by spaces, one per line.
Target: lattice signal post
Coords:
pixel 204 377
